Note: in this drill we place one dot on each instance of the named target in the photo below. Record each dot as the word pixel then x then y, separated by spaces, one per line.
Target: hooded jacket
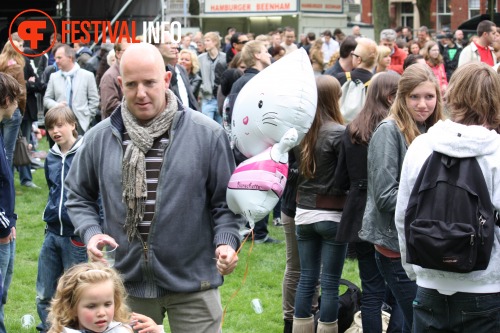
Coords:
pixel 455 140
pixel 56 169
pixel 7 194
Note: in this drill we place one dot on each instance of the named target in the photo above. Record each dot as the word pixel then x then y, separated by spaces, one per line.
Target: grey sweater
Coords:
pixel 191 215
pixel 207 73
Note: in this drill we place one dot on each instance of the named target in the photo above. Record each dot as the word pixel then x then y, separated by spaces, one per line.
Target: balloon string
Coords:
pixel 244 275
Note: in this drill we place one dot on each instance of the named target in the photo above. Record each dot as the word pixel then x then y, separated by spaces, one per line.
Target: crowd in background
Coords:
pixel 343 166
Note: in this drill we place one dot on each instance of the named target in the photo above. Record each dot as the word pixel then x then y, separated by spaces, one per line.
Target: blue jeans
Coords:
pixel 374 293
pixel 25 175
pixel 209 108
pixel 373 286
pixel 7 255
pixel 403 289
pixel 56 256
pixel 460 312
pixel 319 252
pixel 10 129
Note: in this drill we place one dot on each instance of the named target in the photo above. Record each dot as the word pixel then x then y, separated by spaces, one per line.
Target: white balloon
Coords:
pixel 257 183
pixel 282 96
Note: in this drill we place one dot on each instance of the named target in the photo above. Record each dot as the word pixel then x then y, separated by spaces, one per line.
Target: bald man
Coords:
pixel 161 171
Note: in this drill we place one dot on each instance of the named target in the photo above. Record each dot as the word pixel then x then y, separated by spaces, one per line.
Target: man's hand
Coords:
pixel 95 245
pixel 9 238
pixel 227 259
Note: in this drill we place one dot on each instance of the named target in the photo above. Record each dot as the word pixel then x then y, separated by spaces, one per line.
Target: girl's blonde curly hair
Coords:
pixel 63 308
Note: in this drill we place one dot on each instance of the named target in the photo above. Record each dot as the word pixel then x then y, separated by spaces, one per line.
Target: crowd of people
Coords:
pixel 140 159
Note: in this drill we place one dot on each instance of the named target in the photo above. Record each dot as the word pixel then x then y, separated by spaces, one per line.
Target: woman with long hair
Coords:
pixel 434 60
pixel 316 56
pixel 414 47
pixel 417 107
pixel 319 209
pixel 12 63
pixel 351 174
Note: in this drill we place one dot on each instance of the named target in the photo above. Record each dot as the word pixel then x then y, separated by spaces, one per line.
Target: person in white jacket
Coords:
pixel 447 301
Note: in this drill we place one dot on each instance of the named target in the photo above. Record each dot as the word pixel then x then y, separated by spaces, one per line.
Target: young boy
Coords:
pixel 11 90
pixel 61 248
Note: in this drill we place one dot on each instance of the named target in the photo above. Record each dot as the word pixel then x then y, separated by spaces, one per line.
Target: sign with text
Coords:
pixel 250 6
pixel 322 6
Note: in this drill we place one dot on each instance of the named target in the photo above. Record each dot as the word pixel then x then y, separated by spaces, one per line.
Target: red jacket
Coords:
pixel 397 60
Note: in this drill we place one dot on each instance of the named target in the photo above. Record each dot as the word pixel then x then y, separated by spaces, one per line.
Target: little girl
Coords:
pixel 90 298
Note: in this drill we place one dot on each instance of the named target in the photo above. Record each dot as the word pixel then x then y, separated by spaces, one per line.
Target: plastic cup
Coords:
pixel 257 306
pixel 27 321
pixel 108 253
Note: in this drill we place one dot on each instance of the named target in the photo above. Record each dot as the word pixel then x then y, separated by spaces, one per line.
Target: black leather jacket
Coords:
pixel 319 192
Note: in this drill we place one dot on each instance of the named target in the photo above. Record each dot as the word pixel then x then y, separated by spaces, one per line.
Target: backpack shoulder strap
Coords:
pixel 367 83
pixel 348 76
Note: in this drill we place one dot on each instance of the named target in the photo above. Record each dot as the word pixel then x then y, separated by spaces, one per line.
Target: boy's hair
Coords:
pixel 10 88
pixel 472 96
pixel 249 51
pixel 214 37
pixel 71 285
pixel 60 113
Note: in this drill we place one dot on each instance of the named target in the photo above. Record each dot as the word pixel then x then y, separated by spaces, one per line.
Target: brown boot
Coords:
pixel 303 325
pixel 328 327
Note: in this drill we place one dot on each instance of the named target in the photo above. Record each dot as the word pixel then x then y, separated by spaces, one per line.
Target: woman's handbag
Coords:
pixel 21 154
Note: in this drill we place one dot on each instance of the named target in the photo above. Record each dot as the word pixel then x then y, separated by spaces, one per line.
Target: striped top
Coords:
pixel 154 160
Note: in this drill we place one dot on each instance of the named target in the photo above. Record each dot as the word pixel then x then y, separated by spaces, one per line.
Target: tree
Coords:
pixel 194 9
pixel 424 10
pixel 491 9
pixel 381 18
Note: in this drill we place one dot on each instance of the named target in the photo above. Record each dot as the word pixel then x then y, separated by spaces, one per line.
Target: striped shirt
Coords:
pixel 154 160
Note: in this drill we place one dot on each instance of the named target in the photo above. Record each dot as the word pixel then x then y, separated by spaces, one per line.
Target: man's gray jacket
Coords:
pixel 191 214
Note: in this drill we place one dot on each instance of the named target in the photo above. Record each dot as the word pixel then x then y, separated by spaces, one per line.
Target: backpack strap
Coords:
pixel 367 83
pixel 348 76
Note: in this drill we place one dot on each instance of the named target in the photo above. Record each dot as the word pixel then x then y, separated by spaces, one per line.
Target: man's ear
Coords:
pixel 120 82
pixel 168 77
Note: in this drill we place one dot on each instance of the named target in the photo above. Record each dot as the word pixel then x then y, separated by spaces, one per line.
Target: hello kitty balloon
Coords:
pixel 257 183
pixel 281 97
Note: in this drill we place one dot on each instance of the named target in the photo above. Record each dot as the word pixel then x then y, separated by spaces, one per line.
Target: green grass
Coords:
pixel 266 265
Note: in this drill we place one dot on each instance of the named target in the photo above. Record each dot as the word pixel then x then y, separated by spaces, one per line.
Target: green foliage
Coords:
pixel 266 265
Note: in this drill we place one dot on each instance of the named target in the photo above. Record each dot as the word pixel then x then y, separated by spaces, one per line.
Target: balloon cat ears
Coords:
pixel 281 97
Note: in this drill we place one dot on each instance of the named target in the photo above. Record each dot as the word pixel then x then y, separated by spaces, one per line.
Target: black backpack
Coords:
pixel 450 220
pixel 349 304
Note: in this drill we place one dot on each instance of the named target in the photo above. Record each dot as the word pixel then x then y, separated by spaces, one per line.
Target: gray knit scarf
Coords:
pixel 142 137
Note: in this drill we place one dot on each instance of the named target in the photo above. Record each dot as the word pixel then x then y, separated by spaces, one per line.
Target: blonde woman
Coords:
pixel 383 59
pixel 417 106
pixel 189 61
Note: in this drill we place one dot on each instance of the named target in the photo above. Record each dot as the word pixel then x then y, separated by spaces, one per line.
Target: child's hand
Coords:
pixel 143 324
